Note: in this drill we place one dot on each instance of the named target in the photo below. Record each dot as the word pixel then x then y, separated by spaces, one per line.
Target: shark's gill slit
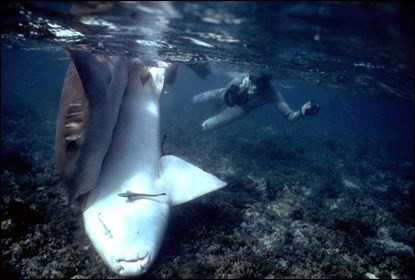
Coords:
pixel 107 230
pixel 76 102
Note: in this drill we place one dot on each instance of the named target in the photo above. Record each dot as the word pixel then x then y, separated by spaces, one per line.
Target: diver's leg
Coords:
pixel 211 95
pixel 228 115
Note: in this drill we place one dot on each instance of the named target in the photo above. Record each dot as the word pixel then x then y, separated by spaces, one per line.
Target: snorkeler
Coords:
pixel 245 93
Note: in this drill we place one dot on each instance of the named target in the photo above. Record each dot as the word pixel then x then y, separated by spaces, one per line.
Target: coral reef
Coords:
pixel 287 212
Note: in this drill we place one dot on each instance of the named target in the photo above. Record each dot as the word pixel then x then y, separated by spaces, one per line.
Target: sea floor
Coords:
pixel 291 209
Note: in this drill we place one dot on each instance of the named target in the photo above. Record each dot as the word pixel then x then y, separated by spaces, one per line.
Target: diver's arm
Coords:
pixel 283 108
pixel 308 109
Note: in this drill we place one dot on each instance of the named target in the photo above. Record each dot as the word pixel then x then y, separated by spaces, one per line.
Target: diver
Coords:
pixel 245 93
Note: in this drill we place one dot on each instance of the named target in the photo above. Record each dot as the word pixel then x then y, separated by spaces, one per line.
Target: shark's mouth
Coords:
pixel 132 266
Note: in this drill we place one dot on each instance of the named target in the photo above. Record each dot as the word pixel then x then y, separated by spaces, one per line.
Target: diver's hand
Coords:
pixel 310 108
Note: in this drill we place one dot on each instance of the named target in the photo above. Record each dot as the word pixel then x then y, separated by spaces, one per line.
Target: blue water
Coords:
pixel 343 177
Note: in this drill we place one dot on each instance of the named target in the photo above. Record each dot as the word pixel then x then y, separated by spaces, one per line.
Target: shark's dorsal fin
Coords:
pixel 183 181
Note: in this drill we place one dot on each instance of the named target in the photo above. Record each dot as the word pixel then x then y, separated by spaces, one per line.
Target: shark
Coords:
pixel 109 157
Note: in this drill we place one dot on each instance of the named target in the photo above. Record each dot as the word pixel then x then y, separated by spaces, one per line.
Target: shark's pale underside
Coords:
pixel 108 152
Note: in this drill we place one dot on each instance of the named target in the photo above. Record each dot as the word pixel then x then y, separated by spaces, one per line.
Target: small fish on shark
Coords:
pixel 130 195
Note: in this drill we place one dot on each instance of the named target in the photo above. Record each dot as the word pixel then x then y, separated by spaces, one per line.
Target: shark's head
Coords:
pixel 127 232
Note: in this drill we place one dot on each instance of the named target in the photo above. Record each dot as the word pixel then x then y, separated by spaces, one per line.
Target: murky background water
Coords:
pixel 328 196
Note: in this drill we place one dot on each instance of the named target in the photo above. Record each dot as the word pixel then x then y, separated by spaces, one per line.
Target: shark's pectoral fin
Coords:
pixel 183 181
